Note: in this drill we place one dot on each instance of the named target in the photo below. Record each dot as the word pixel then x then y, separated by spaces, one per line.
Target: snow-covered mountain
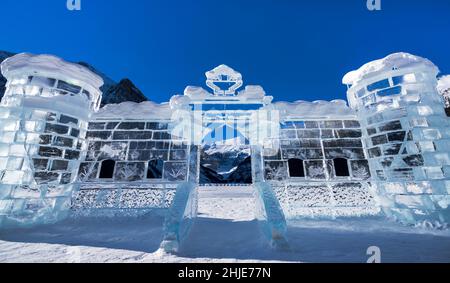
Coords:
pixel 226 146
pixel 113 92
pixel 444 90
pixel 225 163
pixel 124 91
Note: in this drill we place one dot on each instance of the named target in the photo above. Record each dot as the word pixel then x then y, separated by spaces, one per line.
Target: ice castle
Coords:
pixel 386 154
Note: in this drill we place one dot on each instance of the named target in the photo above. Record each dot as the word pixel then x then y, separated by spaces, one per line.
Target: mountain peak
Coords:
pixel 113 92
pixel 125 90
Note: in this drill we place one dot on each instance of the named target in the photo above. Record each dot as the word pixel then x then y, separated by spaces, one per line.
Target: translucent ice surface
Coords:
pixel 385 152
pixel 399 104
pixel 180 217
pixel 44 116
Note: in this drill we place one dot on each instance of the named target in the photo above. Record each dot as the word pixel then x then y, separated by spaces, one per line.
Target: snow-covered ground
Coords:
pixel 224 232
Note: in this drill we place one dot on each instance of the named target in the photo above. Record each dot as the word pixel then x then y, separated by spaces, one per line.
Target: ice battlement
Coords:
pixel 315 110
pixel 401 61
pixel 135 111
pixel 391 82
pixel 47 80
pixel 50 66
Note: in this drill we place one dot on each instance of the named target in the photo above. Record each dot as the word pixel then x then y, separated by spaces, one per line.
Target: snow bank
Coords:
pixel 316 109
pixel 394 61
pixel 132 110
pixel 50 66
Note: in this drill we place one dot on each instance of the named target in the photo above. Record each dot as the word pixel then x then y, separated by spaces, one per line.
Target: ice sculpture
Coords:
pixel 406 135
pixel 43 123
pixel 269 212
pixel 132 160
pixel 224 80
pixel 247 112
pixel 388 153
pixel 270 216
pixel 180 218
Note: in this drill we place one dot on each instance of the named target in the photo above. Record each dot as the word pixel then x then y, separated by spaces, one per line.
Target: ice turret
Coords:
pixel 406 136
pixel 43 122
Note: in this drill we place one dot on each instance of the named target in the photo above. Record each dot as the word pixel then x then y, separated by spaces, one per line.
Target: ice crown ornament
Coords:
pixel 223 80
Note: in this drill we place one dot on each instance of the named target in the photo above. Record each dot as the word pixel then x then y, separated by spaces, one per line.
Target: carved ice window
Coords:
pixel 107 169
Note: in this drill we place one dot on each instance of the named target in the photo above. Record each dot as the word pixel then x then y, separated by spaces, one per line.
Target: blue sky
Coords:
pixel 297 50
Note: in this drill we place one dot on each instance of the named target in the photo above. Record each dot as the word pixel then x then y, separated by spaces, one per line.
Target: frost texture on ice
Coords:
pixel 322 200
pixel 104 201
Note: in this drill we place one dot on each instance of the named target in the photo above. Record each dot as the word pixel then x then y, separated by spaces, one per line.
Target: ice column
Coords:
pixel 182 213
pixel 43 123
pixel 406 136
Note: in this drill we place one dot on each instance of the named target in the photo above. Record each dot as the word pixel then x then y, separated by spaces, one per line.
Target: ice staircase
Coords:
pixel 224 215
pixel 225 223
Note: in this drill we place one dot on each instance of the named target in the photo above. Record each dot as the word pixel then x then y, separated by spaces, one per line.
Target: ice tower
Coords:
pixel 43 122
pixel 406 136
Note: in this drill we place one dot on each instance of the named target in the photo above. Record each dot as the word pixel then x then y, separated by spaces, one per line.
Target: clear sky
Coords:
pixel 297 50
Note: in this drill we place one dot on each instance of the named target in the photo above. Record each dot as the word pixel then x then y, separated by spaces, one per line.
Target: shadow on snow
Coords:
pixel 311 240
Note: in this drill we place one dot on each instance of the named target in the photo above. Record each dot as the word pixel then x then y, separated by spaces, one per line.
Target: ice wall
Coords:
pixel 138 151
pixel 132 165
pixel 317 141
pixel 406 136
pixel 43 123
